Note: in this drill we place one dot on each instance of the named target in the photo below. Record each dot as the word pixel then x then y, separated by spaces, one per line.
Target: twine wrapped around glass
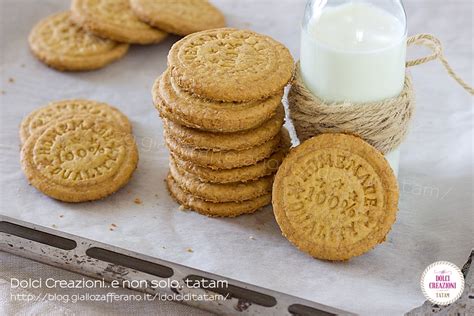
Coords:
pixel 352 74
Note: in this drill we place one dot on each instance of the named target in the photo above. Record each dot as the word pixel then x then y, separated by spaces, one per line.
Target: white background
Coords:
pixel 436 176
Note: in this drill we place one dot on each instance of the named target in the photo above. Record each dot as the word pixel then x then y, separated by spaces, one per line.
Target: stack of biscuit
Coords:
pixel 220 101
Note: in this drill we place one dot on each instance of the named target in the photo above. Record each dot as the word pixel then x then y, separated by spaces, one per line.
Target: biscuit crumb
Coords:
pixel 251 237
pixel 11 80
pixel 137 201
pixel 190 250
pixel 113 225
pixel 54 226
pixel 183 208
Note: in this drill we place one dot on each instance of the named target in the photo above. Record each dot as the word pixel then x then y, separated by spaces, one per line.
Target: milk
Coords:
pixel 354 52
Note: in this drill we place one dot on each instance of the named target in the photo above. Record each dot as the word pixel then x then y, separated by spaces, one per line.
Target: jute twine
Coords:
pixel 382 124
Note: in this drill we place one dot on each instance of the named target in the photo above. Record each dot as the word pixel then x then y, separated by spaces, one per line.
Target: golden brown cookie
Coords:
pixel 69 109
pixel 186 109
pixel 263 168
pixel 230 65
pixel 78 160
pixel 115 20
pixel 61 44
pixel 229 209
pixel 226 141
pixel 220 192
pixel 335 197
pixel 228 159
pixel 181 17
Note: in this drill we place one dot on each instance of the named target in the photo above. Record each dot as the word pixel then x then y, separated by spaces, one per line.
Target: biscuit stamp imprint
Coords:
pixel 79 160
pixel 61 44
pixel 68 109
pixel 210 63
pixel 334 203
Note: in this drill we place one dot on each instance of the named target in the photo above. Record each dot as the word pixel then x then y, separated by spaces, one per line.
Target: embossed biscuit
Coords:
pixel 186 109
pixel 229 209
pixel 115 20
pixel 61 44
pixel 181 17
pixel 68 109
pixel 226 141
pixel 223 159
pixel 220 192
pixel 335 197
pixel 263 168
pixel 231 65
pixel 79 159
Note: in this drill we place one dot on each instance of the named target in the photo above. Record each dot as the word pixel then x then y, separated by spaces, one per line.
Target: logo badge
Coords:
pixel 442 283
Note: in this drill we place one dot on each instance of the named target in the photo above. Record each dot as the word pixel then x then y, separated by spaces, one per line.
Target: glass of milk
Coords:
pixel 355 51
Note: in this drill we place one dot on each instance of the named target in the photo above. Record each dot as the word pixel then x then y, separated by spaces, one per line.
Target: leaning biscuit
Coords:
pixel 79 159
pixel 223 159
pixel 261 169
pixel 226 141
pixel 68 109
pixel 229 209
pixel 230 65
pixel 220 192
pixel 335 197
pixel 61 44
pixel 186 109
pixel 114 19
pixel 181 17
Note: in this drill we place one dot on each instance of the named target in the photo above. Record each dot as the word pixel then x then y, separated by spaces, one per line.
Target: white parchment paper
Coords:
pixel 435 220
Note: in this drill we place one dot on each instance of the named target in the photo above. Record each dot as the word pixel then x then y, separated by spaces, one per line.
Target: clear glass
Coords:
pixel 355 51
pixel 316 7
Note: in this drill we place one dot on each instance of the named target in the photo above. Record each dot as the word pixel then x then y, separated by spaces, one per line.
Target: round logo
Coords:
pixel 442 283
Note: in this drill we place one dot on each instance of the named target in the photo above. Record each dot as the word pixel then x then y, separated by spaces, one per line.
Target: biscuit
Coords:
pixel 62 45
pixel 115 20
pixel 186 109
pixel 230 65
pixel 181 17
pixel 335 197
pixel 68 109
pixel 226 141
pixel 229 209
pixel 219 192
pixel 223 159
pixel 79 159
pixel 263 168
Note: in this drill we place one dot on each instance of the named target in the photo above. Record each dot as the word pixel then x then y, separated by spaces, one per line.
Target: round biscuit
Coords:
pixel 64 109
pixel 181 17
pixel 186 109
pixel 231 65
pixel 61 44
pixel 229 209
pixel 335 197
pixel 115 20
pixel 79 159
